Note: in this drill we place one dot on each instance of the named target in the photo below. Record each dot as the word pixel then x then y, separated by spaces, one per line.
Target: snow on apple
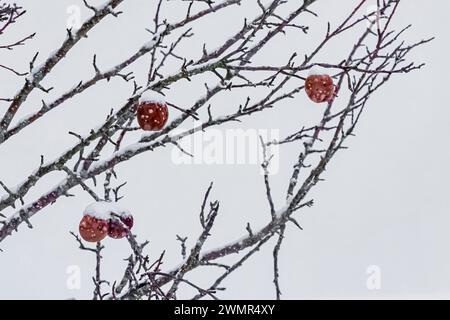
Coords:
pixel 152 112
pixel 151 96
pixel 103 218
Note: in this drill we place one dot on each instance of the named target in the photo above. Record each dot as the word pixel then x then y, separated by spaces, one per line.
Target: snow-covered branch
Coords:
pixel 344 86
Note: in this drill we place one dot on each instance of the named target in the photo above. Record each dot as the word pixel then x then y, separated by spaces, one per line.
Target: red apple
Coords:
pixel 320 88
pixel 93 229
pixel 120 226
pixel 152 115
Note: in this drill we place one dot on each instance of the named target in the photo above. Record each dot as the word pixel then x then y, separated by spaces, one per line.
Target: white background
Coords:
pixel 384 202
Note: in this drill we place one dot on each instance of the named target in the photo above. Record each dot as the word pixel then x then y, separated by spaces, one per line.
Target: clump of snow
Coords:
pixel 104 210
pixel 105 5
pixel 151 96
pixel 151 44
pixel 281 211
pixel 318 71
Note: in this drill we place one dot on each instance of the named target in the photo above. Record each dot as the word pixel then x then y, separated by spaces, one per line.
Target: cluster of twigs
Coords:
pixel 10 14
pixel 362 72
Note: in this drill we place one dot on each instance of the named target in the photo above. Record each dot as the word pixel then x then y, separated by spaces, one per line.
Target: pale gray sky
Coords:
pixel 384 202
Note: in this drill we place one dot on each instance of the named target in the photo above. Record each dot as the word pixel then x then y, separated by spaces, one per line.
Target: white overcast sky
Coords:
pixel 385 201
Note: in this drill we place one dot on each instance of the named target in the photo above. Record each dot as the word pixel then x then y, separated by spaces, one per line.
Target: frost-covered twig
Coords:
pixel 37 74
pixel 369 73
pixel 193 257
pixel 359 73
pixel 98 260
pixel 112 72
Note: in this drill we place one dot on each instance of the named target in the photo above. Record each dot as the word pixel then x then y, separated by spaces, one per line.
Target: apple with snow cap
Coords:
pixel 93 229
pixel 152 112
pixel 94 224
pixel 105 218
pixel 319 85
pixel 120 224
